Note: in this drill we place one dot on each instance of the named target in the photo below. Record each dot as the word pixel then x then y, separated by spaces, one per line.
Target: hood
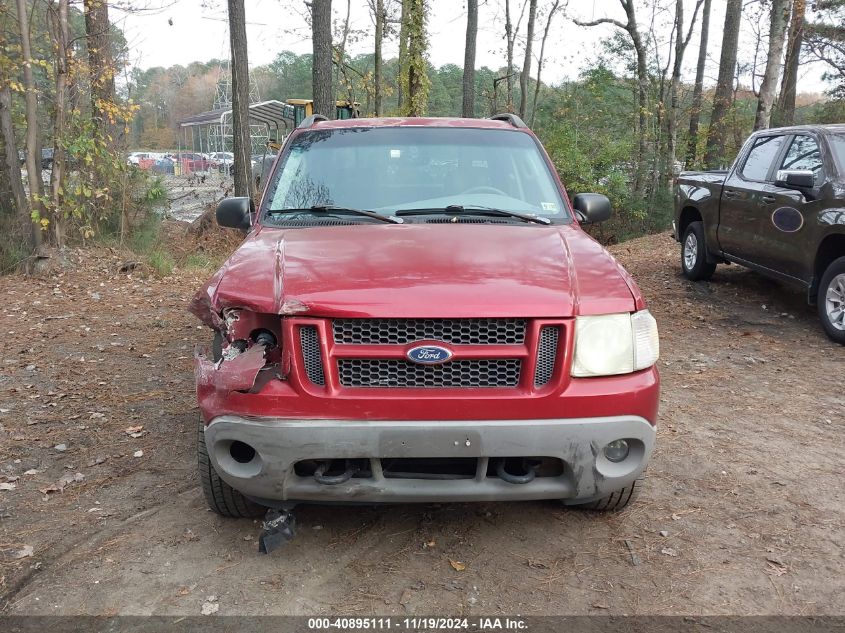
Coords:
pixel 420 271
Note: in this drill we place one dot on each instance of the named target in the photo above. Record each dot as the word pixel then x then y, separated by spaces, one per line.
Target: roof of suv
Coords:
pixel 826 128
pixel 417 122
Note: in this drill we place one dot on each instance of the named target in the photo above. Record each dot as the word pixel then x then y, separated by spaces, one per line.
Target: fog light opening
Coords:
pixel 241 452
pixel 616 451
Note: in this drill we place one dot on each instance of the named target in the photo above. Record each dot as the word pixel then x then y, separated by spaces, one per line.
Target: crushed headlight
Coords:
pixel 612 344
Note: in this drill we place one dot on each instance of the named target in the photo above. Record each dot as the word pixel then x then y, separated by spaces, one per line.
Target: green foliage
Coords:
pixel 202 261
pixel 161 262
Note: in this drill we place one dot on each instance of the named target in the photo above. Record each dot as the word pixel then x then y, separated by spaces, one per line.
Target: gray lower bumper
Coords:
pixel 280 443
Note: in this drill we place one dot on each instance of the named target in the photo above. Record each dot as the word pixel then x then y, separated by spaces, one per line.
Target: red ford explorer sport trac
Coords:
pixel 416 315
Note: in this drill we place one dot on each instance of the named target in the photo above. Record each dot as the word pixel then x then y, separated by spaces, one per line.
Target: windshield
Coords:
pixel 837 144
pixel 398 168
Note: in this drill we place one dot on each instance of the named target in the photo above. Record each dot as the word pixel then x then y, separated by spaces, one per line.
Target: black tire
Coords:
pixel 833 281
pixel 220 496
pixel 695 267
pixel 615 501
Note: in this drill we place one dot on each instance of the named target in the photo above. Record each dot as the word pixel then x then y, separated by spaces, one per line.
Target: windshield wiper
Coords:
pixel 476 210
pixel 329 208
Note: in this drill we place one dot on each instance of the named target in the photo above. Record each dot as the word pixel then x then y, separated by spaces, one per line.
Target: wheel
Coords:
pixel 220 496
pixel 694 254
pixel 831 301
pixel 615 501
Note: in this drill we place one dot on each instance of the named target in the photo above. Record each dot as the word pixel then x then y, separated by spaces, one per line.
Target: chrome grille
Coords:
pixel 455 331
pixel 311 354
pixel 486 372
pixel 546 354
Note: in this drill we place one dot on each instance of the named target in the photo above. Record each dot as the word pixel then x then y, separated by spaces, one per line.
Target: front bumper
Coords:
pixel 280 443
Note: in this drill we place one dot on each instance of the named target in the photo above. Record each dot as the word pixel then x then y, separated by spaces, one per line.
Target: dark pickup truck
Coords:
pixel 779 210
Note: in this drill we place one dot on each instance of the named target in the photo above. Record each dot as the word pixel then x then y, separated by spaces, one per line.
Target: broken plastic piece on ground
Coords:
pixel 278 528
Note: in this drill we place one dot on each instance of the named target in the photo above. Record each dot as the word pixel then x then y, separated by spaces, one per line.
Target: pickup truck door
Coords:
pixel 744 199
pixel 786 214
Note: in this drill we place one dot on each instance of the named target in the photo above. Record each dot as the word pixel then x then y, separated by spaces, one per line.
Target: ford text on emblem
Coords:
pixel 428 354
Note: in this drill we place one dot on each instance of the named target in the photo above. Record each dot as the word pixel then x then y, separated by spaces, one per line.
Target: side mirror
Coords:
pixel 591 208
pixel 795 179
pixel 234 213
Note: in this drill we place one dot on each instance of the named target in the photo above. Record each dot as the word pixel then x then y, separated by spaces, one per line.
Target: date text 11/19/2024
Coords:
pixel 417 624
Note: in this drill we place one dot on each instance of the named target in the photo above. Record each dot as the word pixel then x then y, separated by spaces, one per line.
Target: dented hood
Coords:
pixel 420 270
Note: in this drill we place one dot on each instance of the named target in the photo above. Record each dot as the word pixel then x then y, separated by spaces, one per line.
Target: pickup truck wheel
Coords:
pixel 831 301
pixel 694 254
pixel 220 496
pixel 615 501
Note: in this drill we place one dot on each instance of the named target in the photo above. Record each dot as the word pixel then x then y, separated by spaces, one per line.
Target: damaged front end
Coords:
pixel 246 353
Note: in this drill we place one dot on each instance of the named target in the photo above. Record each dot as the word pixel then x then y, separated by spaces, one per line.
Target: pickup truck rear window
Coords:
pixel 761 157
pixel 393 168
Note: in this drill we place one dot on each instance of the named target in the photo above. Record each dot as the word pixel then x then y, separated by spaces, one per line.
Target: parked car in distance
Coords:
pixel 135 158
pixel 221 161
pixel 190 161
pixel 779 210
pixel 416 315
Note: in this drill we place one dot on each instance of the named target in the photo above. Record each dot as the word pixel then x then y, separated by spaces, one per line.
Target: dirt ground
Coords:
pixel 742 512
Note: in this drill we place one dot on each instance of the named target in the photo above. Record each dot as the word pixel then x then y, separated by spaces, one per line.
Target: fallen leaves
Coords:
pixel 64 481
pixel 457 565
pixel 776 567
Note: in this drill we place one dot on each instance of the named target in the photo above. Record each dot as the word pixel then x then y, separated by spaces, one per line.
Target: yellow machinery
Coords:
pixel 303 108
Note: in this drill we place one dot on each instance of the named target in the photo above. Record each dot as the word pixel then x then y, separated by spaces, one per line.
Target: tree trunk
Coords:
pixel 785 114
pixel 59 29
pixel 552 12
pixel 509 36
pixel 681 43
pixel 714 157
pixel 100 64
pixel 10 159
pixel 377 62
pixel 526 64
pixel 777 30
pixel 321 26
pixel 642 92
pixel 402 87
pixel 33 158
pixel 695 110
pixel 416 102
pixel 239 65
pixel 468 108
pixel 642 84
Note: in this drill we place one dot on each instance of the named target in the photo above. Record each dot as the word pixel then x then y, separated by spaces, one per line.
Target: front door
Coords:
pixel 788 212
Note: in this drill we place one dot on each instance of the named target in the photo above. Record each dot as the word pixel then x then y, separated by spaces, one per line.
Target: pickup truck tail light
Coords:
pixel 612 344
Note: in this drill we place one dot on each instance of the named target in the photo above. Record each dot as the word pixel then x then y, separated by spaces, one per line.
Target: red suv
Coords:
pixel 417 315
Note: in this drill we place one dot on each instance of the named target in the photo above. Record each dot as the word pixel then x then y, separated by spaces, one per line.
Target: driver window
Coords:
pixel 804 155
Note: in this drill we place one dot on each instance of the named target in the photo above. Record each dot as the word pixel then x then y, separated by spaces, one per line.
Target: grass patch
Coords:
pixel 202 261
pixel 161 262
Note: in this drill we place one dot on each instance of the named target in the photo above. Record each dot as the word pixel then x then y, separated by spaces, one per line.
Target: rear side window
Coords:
pixel 804 155
pixel 761 157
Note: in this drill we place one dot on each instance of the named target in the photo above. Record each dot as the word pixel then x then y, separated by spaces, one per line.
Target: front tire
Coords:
pixel 694 262
pixel 220 496
pixel 615 501
pixel 831 301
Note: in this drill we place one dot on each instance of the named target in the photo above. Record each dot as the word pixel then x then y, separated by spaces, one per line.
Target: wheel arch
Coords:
pixel 831 248
pixel 689 214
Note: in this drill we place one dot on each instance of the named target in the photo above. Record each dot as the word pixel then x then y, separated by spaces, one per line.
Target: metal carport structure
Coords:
pixel 211 131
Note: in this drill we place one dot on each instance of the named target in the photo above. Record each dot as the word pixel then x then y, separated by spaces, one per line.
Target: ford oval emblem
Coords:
pixel 428 354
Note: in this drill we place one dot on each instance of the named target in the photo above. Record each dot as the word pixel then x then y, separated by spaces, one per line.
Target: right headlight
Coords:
pixel 612 344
